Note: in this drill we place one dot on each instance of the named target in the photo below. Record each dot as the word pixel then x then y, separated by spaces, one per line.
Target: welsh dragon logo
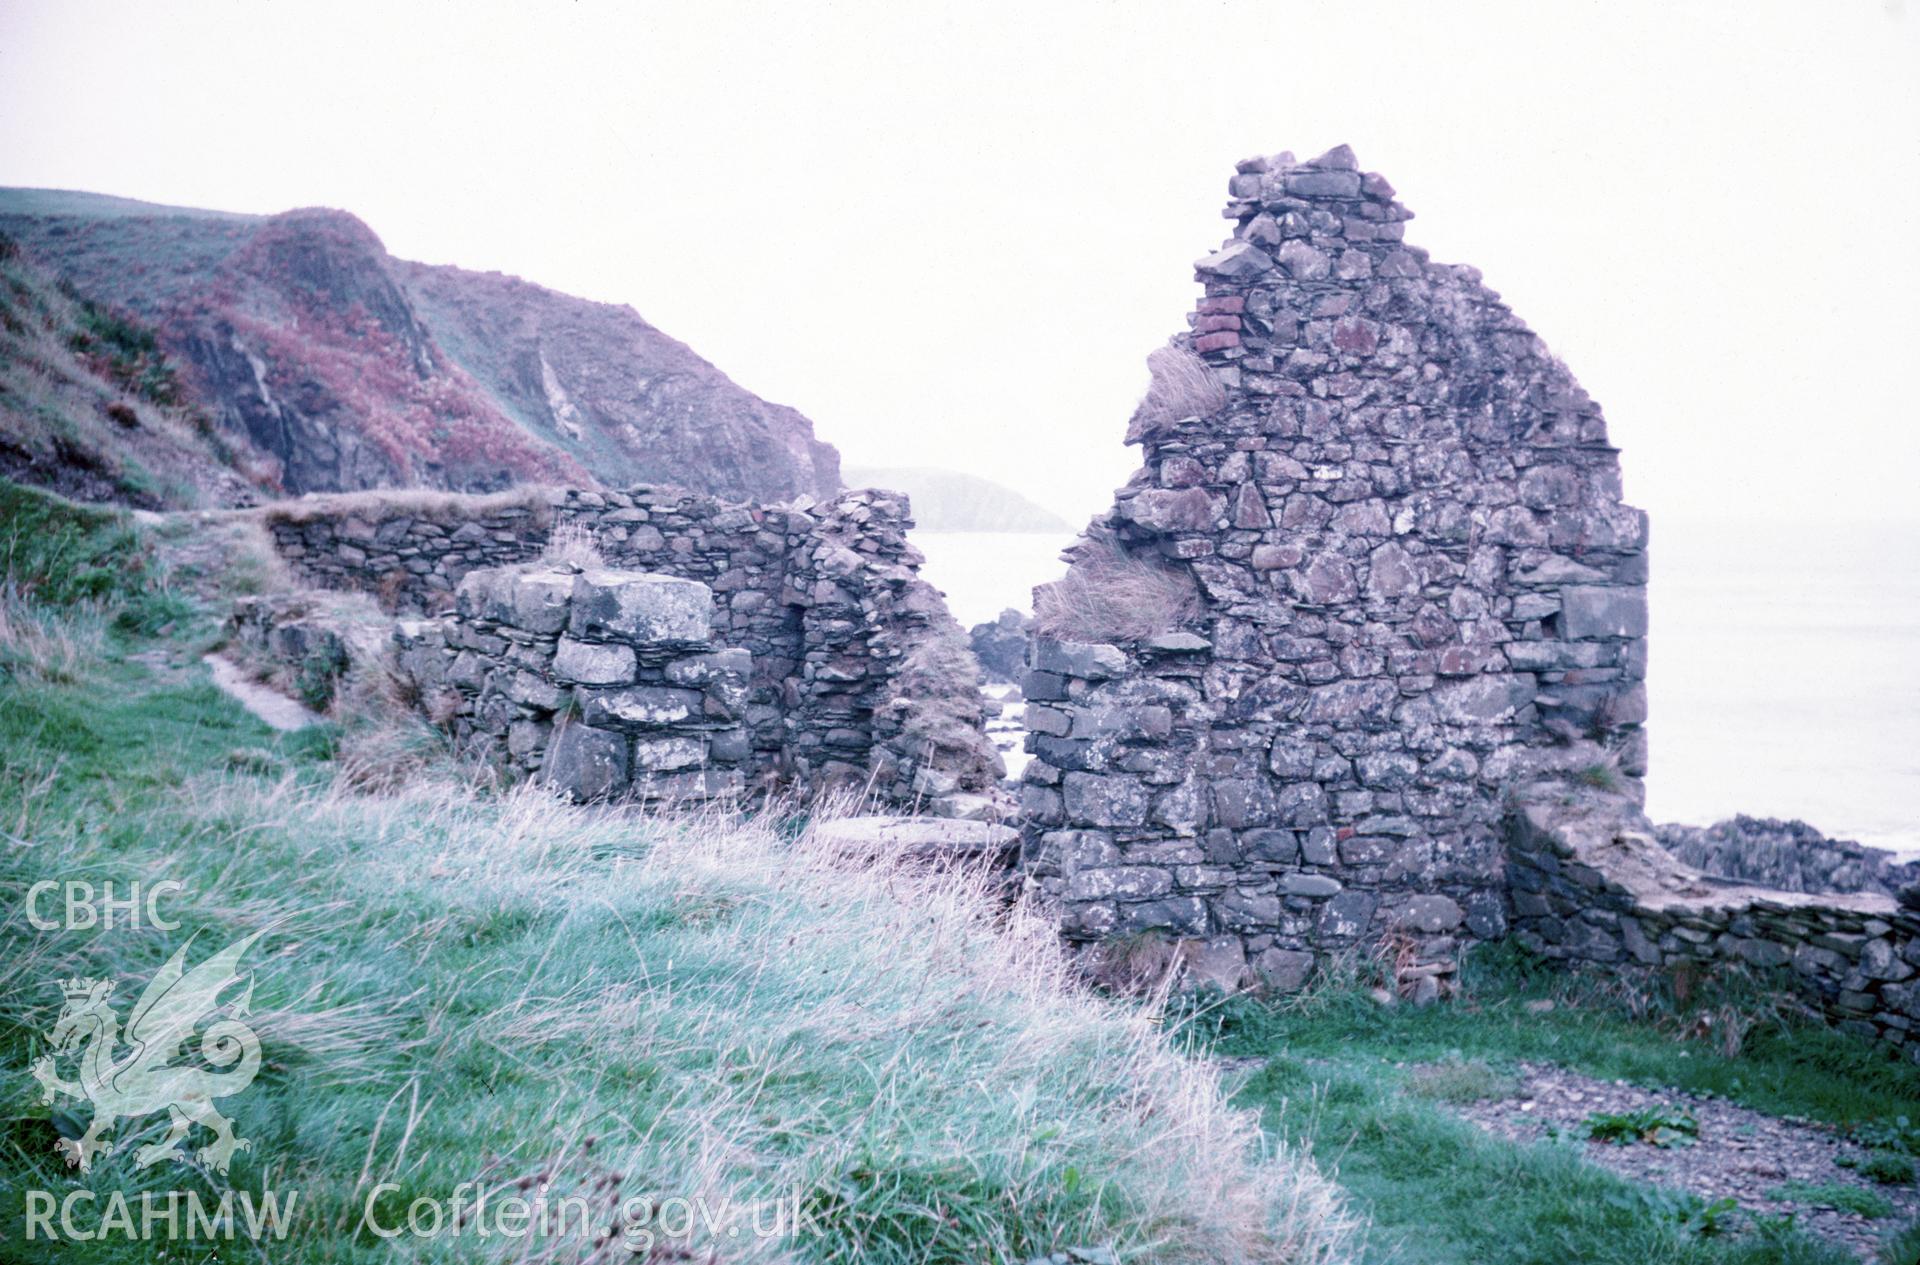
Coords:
pixel 143 1079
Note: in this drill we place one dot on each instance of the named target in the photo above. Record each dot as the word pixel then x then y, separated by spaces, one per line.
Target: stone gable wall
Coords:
pixel 826 601
pixel 1405 524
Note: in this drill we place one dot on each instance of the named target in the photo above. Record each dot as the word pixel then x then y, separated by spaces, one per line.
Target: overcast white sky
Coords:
pixel 950 234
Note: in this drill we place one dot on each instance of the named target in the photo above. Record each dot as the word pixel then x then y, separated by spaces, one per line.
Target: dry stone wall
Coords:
pixel 858 677
pixel 1405 525
pixel 1592 884
pixel 603 682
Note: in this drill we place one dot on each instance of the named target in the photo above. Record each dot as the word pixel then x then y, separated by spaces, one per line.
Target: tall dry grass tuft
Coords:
pixel 1181 386
pixel 573 544
pixel 439 507
pixel 1109 594
pixel 41 644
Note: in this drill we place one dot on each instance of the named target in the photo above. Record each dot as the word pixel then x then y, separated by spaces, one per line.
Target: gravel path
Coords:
pixel 1740 1154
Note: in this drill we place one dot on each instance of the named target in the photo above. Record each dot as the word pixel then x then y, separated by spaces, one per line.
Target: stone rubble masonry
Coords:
pixel 603 682
pixel 1406 526
pixel 1591 884
pixel 825 601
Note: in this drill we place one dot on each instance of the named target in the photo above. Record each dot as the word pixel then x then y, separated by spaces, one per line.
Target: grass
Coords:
pixel 1181 386
pixel 573 544
pixel 1363 1086
pixel 68 573
pixel 1514 1007
pixel 60 554
pixel 1902 1247
pixel 1110 595
pixel 438 507
pixel 1459 1081
pixel 466 990
pixel 1439 1190
pixel 1859 1200
pixel 1889 1168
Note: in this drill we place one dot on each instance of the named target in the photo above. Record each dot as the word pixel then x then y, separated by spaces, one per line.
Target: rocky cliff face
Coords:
pixel 351 369
pixel 629 403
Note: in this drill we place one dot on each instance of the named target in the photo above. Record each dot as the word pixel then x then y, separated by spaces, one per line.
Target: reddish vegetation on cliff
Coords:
pixel 339 367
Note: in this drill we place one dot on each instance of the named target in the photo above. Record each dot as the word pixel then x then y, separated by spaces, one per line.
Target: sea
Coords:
pixel 1784 677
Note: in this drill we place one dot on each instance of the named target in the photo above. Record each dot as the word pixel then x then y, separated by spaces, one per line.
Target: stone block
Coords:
pixel 1041 805
pixel 1247 911
pixel 1175 915
pixel 1090 661
pixel 1430 913
pixel 1169 510
pixel 1242 802
pixel 1302 262
pixel 640 607
pixel 1482 700
pixel 642 707
pixel 1387 770
pixel 1105 800
pixel 590 663
pixel 1048 720
pixel 1048 687
pixel 1270 847
pixel 1284 970
pixel 668 754
pixel 1312 886
pixel 730 746
pixel 1603 612
pixel 1237 261
pixel 529 689
pixel 1081 849
pixel 1345 917
pixel 697 671
pixel 534 599
pixel 1313 182
pixel 586 763
pixel 1292 757
pixel 1367 850
pixel 1216 962
pixel 1125 883
pixel 1128 723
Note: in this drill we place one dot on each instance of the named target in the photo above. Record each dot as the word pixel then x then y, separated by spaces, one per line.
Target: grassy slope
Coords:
pixel 1438 1190
pixel 89 404
pixel 505 990
pixel 17 200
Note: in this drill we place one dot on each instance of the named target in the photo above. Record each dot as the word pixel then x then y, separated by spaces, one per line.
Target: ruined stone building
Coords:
pixel 1355 663
pixel 812 655
pixel 1410 567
